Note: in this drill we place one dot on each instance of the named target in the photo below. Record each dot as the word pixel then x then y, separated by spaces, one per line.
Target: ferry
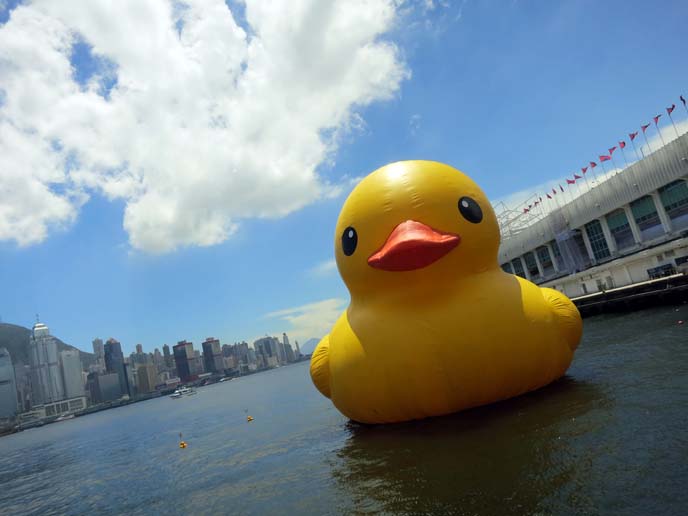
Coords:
pixel 184 391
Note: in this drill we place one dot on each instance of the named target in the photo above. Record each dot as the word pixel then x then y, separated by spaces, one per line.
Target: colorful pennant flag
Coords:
pixel 604 157
pixel 593 164
pixel 554 192
pixel 570 181
pixel 548 196
pixel 622 144
pixel 561 188
pixel 656 119
pixel 671 109
pixel 584 170
pixel 611 151
pixel 644 127
pixel 683 100
pixel 576 176
pixel 633 135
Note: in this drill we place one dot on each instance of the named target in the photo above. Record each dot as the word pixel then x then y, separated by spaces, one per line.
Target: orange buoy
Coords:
pixel 182 444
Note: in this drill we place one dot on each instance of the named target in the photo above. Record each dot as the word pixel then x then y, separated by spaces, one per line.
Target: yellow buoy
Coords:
pixel 182 444
pixel 249 418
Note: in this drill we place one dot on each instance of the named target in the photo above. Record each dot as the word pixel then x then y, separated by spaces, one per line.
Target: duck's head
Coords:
pixel 414 224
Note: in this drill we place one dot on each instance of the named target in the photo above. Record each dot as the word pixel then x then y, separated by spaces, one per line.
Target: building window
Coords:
pixel 545 260
pixel 597 241
pixel 557 254
pixel 507 268
pixel 518 267
pixel 531 265
pixel 620 229
pixel 646 216
pixel 674 198
pixel 661 271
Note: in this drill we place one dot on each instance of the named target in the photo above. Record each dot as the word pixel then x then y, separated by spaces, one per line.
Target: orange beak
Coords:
pixel 413 245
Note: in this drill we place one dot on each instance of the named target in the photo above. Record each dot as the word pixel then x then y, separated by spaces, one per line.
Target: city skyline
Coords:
pixel 246 248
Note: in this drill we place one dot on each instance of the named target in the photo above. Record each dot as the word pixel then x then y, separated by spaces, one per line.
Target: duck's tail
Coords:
pixel 567 315
pixel 320 366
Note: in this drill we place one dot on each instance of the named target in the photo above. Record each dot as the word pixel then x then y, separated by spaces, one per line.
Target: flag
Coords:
pixel 683 100
pixel 656 119
pixel 584 170
pixel 576 176
pixel 622 144
pixel 536 203
pixel 530 206
pixel 554 192
pixel 548 196
pixel 593 164
pixel 525 210
pixel 570 181
pixel 540 199
pixel 561 188
pixel 670 109
pixel 611 151
pixel 633 135
pixel 644 127
pixel 604 157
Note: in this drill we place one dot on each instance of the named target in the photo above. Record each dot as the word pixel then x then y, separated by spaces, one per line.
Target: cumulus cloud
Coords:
pixel 324 268
pixel 313 320
pixel 193 118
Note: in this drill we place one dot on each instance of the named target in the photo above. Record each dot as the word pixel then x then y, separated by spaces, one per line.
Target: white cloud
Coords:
pixel 324 268
pixel 205 125
pixel 311 320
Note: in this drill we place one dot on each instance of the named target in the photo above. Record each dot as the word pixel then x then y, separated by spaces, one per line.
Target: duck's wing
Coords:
pixel 568 318
pixel 320 366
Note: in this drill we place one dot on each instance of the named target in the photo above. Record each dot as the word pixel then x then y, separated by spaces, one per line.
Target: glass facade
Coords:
pixel 518 268
pixel 531 265
pixel 507 268
pixel 598 242
pixel 620 229
pixel 557 255
pixel 646 217
pixel 674 198
pixel 545 260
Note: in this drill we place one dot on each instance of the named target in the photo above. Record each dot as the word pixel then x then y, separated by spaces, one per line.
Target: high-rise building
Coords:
pixel 267 351
pixel 46 375
pixel 167 355
pixel 114 363
pixel 8 389
pixel 99 352
pixel 139 348
pixel 72 373
pixel 103 387
pixel 183 355
pixel 146 377
pixel 22 376
pixel 212 356
pixel 298 350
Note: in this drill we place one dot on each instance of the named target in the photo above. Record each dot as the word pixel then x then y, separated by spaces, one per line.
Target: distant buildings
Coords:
pixel 183 356
pixel 167 356
pixel 212 356
pixel 114 363
pixel 146 378
pixel 8 389
pixel 47 384
pixel 99 352
pixel 71 373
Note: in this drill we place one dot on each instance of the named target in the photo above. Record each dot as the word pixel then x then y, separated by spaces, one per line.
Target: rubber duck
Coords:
pixel 434 325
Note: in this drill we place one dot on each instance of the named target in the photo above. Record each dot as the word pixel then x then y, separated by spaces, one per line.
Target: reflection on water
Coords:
pixel 609 438
pixel 503 459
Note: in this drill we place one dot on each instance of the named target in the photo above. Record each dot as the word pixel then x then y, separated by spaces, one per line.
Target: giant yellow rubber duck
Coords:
pixel 434 325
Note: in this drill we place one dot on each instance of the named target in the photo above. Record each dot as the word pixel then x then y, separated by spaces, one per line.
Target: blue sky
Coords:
pixel 513 93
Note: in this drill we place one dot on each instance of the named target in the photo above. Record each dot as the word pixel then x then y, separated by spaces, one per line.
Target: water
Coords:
pixel 609 438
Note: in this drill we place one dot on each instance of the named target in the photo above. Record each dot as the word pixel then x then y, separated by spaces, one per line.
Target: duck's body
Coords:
pixel 442 340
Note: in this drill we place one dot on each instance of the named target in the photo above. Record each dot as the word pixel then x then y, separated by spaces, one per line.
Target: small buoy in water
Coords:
pixel 680 322
pixel 182 444
pixel 249 418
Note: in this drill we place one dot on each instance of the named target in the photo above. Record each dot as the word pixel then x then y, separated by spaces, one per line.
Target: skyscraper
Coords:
pixel 8 390
pixel 167 355
pixel 183 354
pixel 139 348
pixel 72 373
pixel 146 377
pixel 46 375
pixel 114 363
pixel 212 356
pixel 99 352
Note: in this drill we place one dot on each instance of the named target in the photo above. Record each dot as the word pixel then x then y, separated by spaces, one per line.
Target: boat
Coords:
pixel 65 417
pixel 226 379
pixel 184 391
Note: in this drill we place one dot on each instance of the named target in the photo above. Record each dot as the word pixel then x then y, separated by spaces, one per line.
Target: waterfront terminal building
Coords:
pixel 630 228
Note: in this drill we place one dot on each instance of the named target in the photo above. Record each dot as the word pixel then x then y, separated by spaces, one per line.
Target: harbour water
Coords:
pixel 609 438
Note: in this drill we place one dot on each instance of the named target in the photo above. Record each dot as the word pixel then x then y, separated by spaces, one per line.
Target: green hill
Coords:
pixel 16 339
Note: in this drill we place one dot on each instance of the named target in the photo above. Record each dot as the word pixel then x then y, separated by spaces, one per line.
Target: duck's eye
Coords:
pixel 470 210
pixel 349 241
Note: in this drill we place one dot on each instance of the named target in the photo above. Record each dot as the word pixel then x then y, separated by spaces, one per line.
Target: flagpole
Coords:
pixel 635 150
pixel 649 149
pixel 672 123
pixel 614 162
pixel 660 133
pixel 624 156
pixel 603 168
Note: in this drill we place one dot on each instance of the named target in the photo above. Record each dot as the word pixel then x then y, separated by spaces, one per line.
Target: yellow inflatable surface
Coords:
pixel 434 325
